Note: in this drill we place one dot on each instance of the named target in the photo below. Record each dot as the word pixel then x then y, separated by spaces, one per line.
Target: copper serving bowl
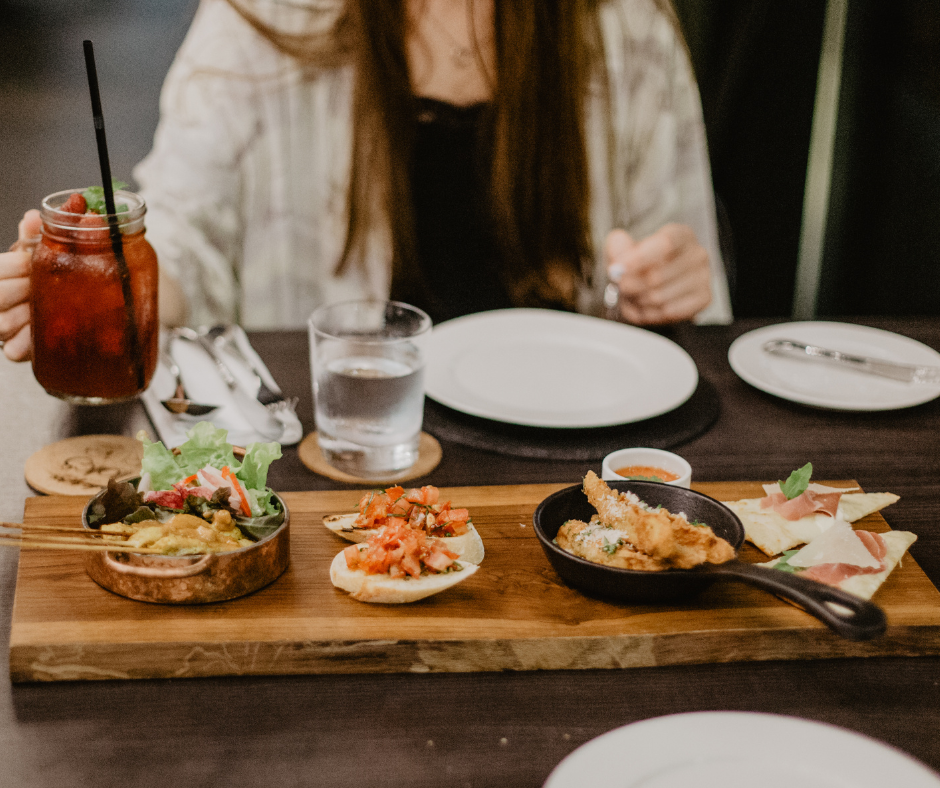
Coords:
pixel 191 579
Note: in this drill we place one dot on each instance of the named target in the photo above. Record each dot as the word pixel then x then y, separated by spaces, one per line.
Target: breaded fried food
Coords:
pixel 670 539
pixel 603 544
pixel 649 532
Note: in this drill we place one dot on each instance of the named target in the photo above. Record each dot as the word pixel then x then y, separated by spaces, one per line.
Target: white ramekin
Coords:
pixel 654 457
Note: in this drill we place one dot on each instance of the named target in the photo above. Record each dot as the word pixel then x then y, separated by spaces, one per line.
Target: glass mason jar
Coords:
pixel 90 345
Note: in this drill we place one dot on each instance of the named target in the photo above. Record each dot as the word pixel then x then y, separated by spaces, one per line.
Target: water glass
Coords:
pixel 367 360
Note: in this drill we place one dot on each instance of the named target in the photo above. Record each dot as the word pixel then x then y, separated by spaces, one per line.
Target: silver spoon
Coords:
pixel 179 403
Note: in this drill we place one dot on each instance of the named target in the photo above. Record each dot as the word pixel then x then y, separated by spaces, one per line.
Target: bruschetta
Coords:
pixel 396 565
pixel 419 509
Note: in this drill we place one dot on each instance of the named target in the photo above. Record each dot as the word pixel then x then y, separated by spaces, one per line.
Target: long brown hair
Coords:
pixel 547 53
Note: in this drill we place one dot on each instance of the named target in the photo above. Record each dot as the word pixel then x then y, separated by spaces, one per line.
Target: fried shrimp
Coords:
pixel 650 532
pixel 697 544
pixel 603 544
pixel 629 534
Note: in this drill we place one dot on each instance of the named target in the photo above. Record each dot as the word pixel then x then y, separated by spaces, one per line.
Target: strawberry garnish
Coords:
pixel 75 204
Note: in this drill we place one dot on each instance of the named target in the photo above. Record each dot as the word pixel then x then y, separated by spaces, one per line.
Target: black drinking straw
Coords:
pixel 117 243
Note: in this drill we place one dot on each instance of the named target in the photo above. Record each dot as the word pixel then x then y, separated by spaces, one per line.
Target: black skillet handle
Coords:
pixel 847 615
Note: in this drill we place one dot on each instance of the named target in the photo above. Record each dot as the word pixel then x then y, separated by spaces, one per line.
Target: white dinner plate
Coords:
pixel 545 368
pixel 724 749
pixel 824 385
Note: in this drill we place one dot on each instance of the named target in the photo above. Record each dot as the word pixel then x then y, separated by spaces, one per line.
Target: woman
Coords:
pixel 457 154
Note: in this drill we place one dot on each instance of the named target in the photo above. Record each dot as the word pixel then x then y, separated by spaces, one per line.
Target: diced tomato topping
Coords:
pixel 426 495
pixel 439 559
pixel 418 509
pixel 352 556
pixel 398 550
pixel 372 508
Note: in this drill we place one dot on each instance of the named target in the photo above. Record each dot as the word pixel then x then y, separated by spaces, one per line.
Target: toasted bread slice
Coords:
pixel 387 590
pixel 468 546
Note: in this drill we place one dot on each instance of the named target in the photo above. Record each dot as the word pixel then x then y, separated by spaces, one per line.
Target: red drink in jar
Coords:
pixel 84 348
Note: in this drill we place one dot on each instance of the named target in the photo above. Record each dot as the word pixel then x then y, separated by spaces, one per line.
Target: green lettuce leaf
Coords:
pixel 206 444
pixel 160 463
pixel 254 468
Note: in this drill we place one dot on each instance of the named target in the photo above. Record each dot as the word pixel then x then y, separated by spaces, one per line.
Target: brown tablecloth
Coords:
pixel 501 729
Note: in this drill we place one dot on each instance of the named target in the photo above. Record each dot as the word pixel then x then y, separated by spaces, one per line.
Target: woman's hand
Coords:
pixel 665 278
pixel 14 291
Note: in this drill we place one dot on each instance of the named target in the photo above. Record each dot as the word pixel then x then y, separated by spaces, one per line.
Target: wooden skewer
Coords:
pixel 59 534
pixel 57 538
pixel 70 529
pixel 82 544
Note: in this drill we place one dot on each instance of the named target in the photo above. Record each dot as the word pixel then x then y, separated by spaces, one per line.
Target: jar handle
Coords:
pixel 155 571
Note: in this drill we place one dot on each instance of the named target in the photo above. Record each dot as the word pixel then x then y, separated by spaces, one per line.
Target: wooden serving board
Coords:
pixel 514 614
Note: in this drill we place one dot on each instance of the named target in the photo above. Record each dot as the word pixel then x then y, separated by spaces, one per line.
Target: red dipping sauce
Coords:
pixel 647 472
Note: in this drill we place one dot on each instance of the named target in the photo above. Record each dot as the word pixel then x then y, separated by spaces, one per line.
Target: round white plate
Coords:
pixel 827 386
pixel 544 368
pixel 737 750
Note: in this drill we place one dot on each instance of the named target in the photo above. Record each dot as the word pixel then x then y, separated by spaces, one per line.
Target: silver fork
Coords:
pixel 221 336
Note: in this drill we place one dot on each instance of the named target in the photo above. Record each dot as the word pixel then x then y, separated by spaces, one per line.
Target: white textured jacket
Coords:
pixel 246 183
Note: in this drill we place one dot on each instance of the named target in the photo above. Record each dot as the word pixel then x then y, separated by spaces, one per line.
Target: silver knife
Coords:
pixel 909 373
pixel 258 416
pixel 224 336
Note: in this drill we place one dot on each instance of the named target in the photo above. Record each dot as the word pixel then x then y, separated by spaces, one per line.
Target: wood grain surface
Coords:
pixel 514 614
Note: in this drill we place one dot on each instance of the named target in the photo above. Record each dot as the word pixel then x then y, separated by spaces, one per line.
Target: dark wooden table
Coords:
pixel 500 729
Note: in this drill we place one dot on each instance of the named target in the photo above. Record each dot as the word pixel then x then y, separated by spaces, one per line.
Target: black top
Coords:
pixel 457 252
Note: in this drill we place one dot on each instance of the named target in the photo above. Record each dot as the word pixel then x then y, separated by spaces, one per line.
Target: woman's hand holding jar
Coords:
pixel 14 290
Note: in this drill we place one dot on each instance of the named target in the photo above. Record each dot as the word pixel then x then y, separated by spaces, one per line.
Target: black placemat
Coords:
pixel 671 429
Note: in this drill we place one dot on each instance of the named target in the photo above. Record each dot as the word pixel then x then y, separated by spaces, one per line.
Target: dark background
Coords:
pixel 756 61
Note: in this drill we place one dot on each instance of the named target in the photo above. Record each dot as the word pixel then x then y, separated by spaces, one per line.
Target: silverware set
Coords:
pixel 257 401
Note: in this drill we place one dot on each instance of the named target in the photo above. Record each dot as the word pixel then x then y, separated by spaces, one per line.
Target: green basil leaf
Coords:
pixel 784 563
pixel 797 482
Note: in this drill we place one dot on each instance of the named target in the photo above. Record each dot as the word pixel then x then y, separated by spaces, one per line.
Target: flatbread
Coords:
pixel 855 506
pixel 865 586
pixel 773 534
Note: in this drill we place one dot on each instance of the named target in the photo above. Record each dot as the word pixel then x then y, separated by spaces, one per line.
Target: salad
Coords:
pixel 204 477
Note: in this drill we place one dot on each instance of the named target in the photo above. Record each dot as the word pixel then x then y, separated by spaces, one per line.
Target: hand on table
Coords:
pixel 14 291
pixel 665 278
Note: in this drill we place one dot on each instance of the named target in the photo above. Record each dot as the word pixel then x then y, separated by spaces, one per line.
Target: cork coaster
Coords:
pixel 82 465
pixel 429 455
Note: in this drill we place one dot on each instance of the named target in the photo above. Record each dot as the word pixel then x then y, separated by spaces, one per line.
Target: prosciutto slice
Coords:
pixel 807 503
pixel 834 574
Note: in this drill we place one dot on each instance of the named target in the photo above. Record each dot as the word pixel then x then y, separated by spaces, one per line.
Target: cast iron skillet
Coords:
pixel 847 615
